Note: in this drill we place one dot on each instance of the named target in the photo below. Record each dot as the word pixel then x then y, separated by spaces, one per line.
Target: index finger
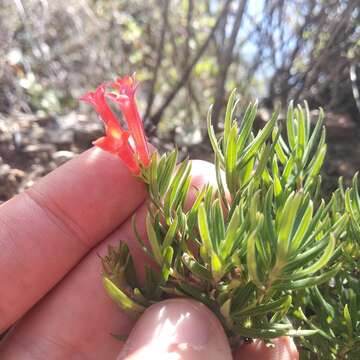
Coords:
pixel 46 230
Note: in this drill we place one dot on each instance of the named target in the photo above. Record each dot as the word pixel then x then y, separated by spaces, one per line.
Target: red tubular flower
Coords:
pixel 116 140
pixel 126 88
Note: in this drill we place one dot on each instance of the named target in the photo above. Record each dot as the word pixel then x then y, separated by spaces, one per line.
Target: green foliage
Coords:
pixel 262 250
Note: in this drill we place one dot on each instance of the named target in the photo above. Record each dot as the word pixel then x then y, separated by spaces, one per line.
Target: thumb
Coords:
pixel 177 329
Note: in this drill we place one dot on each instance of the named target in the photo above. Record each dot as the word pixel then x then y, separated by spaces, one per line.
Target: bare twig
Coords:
pixel 225 62
pixel 355 89
pixel 159 57
pixel 154 119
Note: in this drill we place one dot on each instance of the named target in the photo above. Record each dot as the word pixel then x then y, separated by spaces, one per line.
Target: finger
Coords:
pixel 45 231
pixel 283 349
pixel 78 316
pixel 177 329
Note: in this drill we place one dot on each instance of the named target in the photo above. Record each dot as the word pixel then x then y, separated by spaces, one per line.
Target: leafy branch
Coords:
pixel 262 250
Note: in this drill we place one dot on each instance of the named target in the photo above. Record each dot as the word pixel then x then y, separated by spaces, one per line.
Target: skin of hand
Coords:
pixel 51 290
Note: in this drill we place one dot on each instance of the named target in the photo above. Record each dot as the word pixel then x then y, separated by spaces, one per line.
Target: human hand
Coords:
pixel 50 238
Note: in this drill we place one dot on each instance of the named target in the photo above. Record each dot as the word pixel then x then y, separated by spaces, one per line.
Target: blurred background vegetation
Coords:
pixel 187 54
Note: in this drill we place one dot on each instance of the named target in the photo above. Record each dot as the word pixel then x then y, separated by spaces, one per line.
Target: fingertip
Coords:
pixel 202 172
pixel 177 329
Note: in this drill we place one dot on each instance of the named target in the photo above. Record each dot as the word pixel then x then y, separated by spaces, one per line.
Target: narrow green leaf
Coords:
pixel 228 243
pixel 278 148
pixel 126 304
pixel 218 223
pixel 348 321
pixel 170 234
pixel 166 267
pixel 302 228
pixel 253 208
pixel 153 184
pixel 262 309
pixel 268 218
pixel 356 192
pixel 230 158
pixel 290 126
pixel 213 139
pixel 246 174
pixel 193 213
pixel 278 189
pixel 139 239
pixel 176 186
pixel 272 333
pixel 196 268
pixel 139 297
pixel 322 302
pixel 308 282
pixel 266 177
pixel 153 240
pixel 288 169
pixel 349 206
pixel 317 162
pixel 264 158
pixel 307 120
pixel 220 182
pixel 307 256
pixel 261 137
pixel 296 333
pixel 353 298
pixel 314 136
pixel 324 259
pixel 287 221
pixel 246 126
pixel 182 194
pixel 161 165
pixel 251 259
pixel 229 116
pixel 241 296
pixel 340 225
pixel 204 230
pixel 301 138
pixel 217 269
pixel 168 171
pixel 209 198
pixel 225 309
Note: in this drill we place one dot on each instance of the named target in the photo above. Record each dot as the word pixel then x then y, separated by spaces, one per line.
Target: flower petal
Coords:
pixel 98 101
pixel 126 101
pixel 126 155
pixel 126 85
pixel 107 144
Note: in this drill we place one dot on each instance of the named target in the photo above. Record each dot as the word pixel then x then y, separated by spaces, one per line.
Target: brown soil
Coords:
pixel 32 146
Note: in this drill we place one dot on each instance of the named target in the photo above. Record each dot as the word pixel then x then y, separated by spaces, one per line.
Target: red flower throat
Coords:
pixel 117 140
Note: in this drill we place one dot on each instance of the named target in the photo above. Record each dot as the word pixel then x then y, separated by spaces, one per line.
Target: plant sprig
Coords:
pixel 262 250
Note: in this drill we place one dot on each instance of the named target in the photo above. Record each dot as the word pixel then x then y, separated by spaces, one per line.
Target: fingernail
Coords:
pixel 173 327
